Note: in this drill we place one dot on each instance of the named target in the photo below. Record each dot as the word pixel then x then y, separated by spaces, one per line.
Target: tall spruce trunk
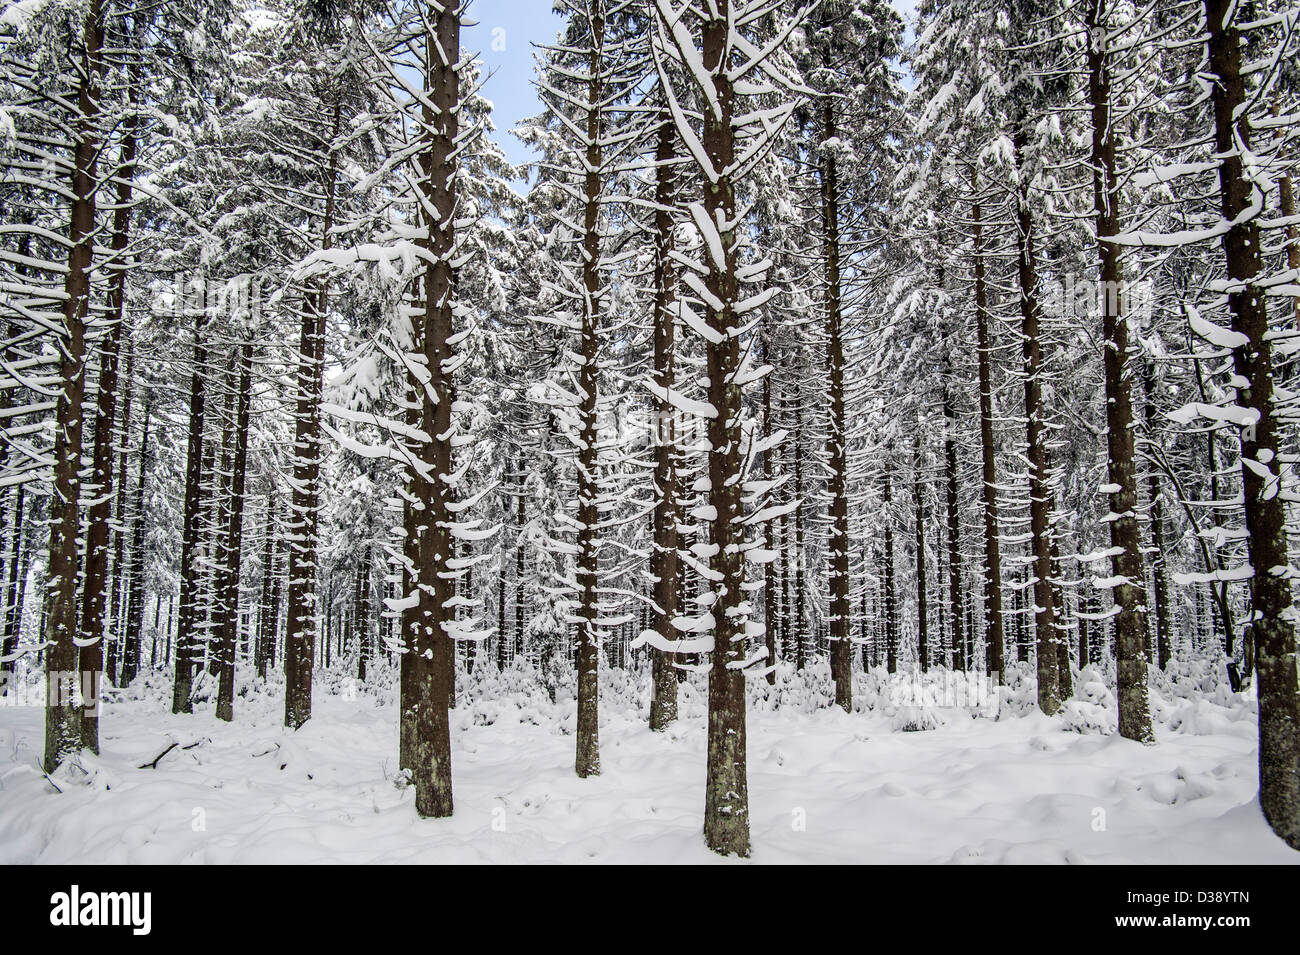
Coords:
pixel 994 632
pixel 836 438
pixel 922 625
pixel 1040 494
pixel 587 562
pixel 663 566
pixel 770 608
pixel 14 587
pixel 959 661
pixel 1125 535
pixel 266 613
pixel 187 617
pixel 520 503
pixel 131 648
pixel 427 684
pixel 891 601
pixel 95 571
pixel 1272 628
pixel 228 626
pixel 300 628
pixel 114 634
pixel 63 712
pixel 800 594
pixel 1159 560
pixel 726 803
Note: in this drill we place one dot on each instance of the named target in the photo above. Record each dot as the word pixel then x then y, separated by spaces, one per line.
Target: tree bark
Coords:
pixel 1272 629
pixel 891 604
pixel 994 633
pixel 63 714
pixel 957 629
pixel 587 563
pixel 429 638
pixel 1125 536
pixel 1040 493
pixel 300 628
pixel 228 630
pixel 923 636
pixel 836 449
pixel 726 810
pixel 663 566
pixel 135 593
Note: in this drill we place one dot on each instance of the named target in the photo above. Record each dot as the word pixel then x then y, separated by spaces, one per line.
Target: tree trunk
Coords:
pixel 1125 537
pixel 227 641
pixel 726 809
pixel 135 594
pixel 587 562
pixel 836 450
pixel 300 629
pixel 891 604
pixel 1272 629
pixel 431 652
pixel 923 637
pixel 663 565
pixel 187 623
pixel 954 528
pixel 14 588
pixel 800 595
pixel 1159 562
pixel 994 628
pixel 63 714
pixel 1040 493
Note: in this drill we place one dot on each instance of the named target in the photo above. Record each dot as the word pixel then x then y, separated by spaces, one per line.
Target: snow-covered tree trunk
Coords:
pixel 1040 490
pixel 836 440
pixel 994 635
pixel 1129 575
pixel 300 630
pixel 1272 626
pixel 663 561
pixel 228 626
pixel 131 646
pixel 65 690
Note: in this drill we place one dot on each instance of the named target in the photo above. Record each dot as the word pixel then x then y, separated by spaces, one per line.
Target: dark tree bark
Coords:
pixel 836 449
pixel 1159 561
pixel 14 588
pixel 63 713
pixel 891 604
pixel 800 594
pixel 954 527
pixel 1271 628
pixel 430 649
pixel 267 613
pixel 1040 493
pixel 228 630
pixel 187 620
pixel 726 809
pixel 663 565
pixel 520 500
pixel 135 593
pixel 300 629
pixel 770 596
pixel 587 562
pixel 116 590
pixel 1125 535
pixel 994 636
pixel 923 637
pixel 93 630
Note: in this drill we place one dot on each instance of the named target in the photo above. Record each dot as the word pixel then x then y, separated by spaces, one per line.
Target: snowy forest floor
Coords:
pixel 1008 786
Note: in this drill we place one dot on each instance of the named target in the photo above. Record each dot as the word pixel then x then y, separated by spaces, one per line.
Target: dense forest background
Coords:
pixel 800 352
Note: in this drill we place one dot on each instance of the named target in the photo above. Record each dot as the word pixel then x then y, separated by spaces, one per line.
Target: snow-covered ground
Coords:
pixel 1006 786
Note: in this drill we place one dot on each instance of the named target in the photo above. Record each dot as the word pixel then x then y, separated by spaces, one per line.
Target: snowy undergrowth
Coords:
pixel 943 769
